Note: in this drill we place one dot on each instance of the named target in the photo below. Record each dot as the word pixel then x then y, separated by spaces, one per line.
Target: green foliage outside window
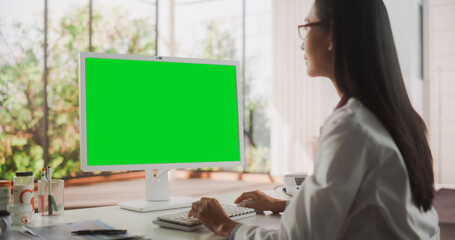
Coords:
pixel 21 85
pixel 21 88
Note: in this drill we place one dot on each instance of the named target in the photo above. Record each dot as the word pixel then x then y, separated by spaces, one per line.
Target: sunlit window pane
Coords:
pixel 208 29
pixel 21 73
pixel 124 26
pixel 68 34
pixel 258 74
pixel 211 29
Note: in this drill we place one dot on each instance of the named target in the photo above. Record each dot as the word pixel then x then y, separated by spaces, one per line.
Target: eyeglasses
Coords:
pixel 303 29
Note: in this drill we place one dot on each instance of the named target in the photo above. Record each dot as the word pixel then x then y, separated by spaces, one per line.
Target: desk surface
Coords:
pixel 141 223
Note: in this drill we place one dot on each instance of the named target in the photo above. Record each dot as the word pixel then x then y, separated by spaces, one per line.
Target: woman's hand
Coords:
pixel 260 201
pixel 210 213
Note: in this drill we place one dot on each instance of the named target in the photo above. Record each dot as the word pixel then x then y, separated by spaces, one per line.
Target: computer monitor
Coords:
pixel 148 112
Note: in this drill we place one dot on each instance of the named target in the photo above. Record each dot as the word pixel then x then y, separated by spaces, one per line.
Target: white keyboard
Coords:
pixel 181 221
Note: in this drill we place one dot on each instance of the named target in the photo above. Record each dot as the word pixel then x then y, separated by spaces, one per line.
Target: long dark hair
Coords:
pixel 366 67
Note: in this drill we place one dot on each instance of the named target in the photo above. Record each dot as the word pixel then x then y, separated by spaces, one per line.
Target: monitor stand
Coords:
pixel 157 190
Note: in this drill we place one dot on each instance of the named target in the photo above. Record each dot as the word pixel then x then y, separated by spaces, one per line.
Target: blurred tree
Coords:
pixel 21 103
pixel 217 44
pixel 257 131
pixel 21 96
pixel 115 31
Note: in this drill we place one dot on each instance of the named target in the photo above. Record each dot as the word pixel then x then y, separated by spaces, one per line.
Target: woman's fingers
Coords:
pixel 240 198
pixel 199 206
pixel 210 213
pixel 190 213
pixel 256 200
pixel 249 205
pixel 196 208
pixel 246 196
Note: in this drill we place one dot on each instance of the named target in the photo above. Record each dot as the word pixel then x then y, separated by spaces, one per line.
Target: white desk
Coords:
pixel 141 223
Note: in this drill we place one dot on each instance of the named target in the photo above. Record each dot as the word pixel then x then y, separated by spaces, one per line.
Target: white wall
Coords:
pixel 440 60
pixel 406 24
pixel 442 88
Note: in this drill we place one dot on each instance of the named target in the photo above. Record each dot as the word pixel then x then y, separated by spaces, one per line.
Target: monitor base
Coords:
pixel 151 206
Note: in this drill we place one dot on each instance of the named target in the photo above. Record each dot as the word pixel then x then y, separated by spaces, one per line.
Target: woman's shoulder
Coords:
pixel 354 116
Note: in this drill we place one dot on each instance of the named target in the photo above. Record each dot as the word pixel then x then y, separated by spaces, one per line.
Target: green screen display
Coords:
pixel 146 112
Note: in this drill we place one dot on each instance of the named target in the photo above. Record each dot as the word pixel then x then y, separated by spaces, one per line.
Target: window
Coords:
pixel 68 34
pixel 258 74
pixel 128 28
pixel 21 73
pixel 217 29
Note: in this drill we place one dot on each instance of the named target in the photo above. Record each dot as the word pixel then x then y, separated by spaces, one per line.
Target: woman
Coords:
pixel 373 167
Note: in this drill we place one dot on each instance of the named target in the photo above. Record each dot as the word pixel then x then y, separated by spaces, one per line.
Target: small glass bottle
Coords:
pixel 24 189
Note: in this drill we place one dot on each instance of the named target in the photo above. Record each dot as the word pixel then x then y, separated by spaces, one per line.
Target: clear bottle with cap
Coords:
pixel 24 189
pixel 5 194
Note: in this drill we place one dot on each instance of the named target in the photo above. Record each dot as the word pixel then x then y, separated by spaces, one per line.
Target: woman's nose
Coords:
pixel 302 46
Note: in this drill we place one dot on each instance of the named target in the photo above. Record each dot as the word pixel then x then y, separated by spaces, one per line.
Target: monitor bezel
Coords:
pixel 82 114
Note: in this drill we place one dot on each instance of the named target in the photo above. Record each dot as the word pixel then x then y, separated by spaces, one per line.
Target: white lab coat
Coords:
pixel 359 190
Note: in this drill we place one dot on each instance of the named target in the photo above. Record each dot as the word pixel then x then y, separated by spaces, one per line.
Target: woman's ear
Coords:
pixel 330 46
